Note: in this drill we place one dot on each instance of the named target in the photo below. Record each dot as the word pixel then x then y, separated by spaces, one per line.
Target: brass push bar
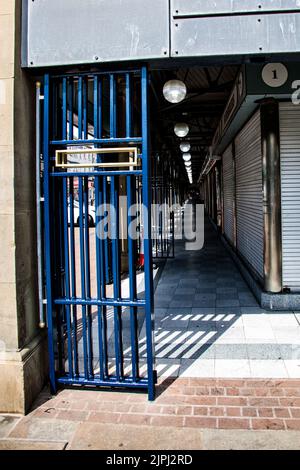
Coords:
pixel 61 157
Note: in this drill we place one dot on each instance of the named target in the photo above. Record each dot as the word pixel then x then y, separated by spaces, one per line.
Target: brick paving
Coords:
pixel 182 402
pixel 222 369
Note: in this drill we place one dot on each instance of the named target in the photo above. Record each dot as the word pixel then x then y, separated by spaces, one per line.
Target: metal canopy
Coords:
pixel 99 31
pixel 65 32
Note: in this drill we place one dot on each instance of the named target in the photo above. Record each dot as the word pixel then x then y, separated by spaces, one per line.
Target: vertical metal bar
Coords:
pixel 42 323
pixel 48 235
pixel 132 285
pixel 71 109
pixel 106 243
pixel 83 284
pixel 73 274
pixel 103 264
pixel 147 236
pixel 101 286
pixel 116 277
pixel 99 273
pixel 60 269
pixel 88 273
pixel 67 276
pixel 96 107
pixel 100 113
pixel 64 109
pixel 80 108
pixel 128 105
pixel 85 108
pixel 113 106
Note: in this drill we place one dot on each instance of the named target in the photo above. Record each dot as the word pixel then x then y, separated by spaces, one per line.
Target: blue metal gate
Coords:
pixel 100 325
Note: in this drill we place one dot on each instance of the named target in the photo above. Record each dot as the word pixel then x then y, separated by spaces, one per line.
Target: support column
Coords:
pixel 23 353
pixel 271 195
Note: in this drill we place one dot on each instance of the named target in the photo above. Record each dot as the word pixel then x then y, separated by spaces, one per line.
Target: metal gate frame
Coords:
pixel 147 383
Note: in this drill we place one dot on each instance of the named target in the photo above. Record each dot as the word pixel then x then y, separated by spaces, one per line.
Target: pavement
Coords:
pixel 229 374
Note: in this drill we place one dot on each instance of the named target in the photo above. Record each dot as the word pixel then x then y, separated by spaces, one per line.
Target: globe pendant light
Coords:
pixel 185 147
pixel 187 157
pixel 174 91
pixel 181 129
pixel 188 164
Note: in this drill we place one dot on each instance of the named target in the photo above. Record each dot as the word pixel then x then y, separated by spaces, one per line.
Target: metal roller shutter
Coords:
pixel 249 195
pixel 290 194
pixel 228 192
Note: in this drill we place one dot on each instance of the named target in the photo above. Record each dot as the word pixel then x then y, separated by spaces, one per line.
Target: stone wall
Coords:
pixel 22 346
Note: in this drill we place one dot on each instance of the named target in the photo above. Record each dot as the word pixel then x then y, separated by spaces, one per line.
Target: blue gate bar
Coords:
pixel 67 277
pixel 96 173
pixel 99 273
pixel 64 109
pixel 128 105
pixel 112 382
pixel 112 141
pixel 82 275
pixel 113 106
pixel 87 272
pixel 147 236
pixel 70 107
pixel 106 245
pixel 79 94
pixel 132 285
pixel 85 109
pixel 114 217
pixel 107 302
pixel 96 108
pixel 73 273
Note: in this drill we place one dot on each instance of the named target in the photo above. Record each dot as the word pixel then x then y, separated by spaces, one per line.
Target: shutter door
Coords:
pixel 249 195
pixel 228 193
pixel 290 194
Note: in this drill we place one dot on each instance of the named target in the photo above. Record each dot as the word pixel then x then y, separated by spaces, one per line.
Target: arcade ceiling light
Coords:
pixel 174 91
pixel 185 147
pixel 181 129
pixel 187 157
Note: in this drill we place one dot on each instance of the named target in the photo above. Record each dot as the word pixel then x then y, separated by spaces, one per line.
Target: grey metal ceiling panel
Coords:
pixel 60 32
pixel 234 35
pixel 214 7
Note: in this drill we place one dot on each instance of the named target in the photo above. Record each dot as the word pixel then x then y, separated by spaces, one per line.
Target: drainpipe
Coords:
pixel 270 137
pixel 39 200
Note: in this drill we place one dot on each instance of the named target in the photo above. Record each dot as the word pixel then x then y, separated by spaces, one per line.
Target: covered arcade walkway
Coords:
pixel 208 323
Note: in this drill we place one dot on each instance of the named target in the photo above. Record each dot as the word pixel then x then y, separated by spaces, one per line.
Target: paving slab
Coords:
pixel 49 429
pixel 7 423
pixel 94 436
pixel 249 440
pixel 21 444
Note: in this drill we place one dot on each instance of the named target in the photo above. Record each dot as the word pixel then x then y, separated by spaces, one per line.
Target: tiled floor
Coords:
pixel 208 323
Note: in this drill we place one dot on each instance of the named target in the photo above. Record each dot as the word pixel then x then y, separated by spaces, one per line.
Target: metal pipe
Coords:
pixel 271 195
pixel 42 322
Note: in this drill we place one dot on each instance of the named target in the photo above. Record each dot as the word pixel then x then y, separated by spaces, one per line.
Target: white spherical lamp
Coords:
pixel 174 91
pixel 181 129
pixel 185 147
pixel 187 157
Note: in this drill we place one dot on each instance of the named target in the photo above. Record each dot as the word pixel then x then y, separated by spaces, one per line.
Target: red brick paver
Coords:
pixel 186 402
